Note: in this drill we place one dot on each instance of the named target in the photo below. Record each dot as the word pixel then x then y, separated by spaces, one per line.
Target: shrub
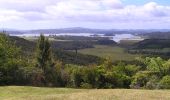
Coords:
pixel 165 82
pixel 77 77
pixel 139 80
pixel 86 86
pixel 90 76
pixel 153 83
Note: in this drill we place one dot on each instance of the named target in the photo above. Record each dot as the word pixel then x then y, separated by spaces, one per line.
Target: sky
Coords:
pixel 99 14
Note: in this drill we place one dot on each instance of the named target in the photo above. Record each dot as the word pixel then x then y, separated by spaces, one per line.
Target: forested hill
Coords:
pixel 60 51
pixel 156 35
pixel 153 44
pixel 23 43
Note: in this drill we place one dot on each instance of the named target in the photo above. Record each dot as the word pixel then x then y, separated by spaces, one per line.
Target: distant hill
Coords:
pixel 23 43
pixel 85 30
pixel 102 31
pixel 157 35
pixel 11 32
pixel 153 44
pixel 78 30
pixel 106 42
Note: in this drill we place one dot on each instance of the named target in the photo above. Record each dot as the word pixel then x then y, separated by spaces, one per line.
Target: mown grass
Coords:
pixel 37 93
pixel 115 53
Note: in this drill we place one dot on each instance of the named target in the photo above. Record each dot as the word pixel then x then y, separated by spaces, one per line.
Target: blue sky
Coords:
pixel 104 14
pixel 141 2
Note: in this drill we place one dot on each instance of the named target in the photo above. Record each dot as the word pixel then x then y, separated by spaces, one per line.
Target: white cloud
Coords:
pixel 26 5
pixel 112 3
pixel 96 11
pixel 102 10
pixel 6 15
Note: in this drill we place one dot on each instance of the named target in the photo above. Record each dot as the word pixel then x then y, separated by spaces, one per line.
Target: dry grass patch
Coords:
pixel 35 93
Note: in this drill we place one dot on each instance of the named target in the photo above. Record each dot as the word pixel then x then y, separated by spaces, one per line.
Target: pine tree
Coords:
pixel 45 60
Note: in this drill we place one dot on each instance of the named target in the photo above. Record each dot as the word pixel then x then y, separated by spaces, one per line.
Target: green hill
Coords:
pixel 60 51
pixel 153 44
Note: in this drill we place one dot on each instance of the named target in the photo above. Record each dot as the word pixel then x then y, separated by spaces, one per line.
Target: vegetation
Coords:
pixel 72 45
pixel 156 35
pixel 151 47
pixel 10 62
pixel 45 63
pixel 78 38
pixel 153 44
pixel 43 68
pixel 114 52
pixel 36 93
pixel 60 50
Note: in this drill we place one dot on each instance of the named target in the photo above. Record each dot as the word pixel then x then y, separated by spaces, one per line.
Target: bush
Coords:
pixel 139 80
pixel 153 83
pixel 86 86
pixel 77 77
pixel 90 76
pixel 165 82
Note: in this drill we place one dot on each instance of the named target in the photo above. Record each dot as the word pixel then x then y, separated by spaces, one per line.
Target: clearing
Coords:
pixel 115 53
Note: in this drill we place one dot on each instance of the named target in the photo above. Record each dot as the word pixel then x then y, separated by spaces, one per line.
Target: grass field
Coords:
pixel 36 93
pixel 115 53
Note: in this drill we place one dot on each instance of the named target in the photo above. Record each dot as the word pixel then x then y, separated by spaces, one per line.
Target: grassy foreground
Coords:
pixel 36 93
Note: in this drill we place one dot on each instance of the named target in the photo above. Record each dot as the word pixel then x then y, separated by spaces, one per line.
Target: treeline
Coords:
pixel 63 51
pixel 43 69
pixel 157 35
pixel 152 44
pixel 151 48
pixel 72 45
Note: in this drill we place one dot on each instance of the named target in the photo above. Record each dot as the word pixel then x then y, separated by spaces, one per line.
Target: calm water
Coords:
pixel 119 37
pixel 116 38
pixel 59 34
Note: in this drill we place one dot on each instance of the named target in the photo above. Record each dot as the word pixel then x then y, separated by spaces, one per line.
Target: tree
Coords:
pixel 45 60
pixel 9 61
pixel 155 65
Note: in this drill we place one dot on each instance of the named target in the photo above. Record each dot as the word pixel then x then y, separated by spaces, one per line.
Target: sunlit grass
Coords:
pixel 115 53
pixel 37 93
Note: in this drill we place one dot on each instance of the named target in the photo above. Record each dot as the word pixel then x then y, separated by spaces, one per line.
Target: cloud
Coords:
pixel 26 5
pixel 6 15
pixel 96 11
pixel 106 10
pixel 112 3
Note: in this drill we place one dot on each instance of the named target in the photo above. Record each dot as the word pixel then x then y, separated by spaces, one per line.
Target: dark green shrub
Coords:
pixel 86 86
pixel 139 80
pixel 165 82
